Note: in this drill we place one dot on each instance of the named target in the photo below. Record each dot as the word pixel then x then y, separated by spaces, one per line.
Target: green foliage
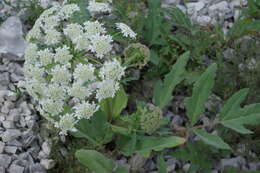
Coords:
pixel 242 27
pixel 163 89
pixel 198 154
pixel 144 145
pixel 153 22
pixel 253 9
pixel 231 108
pixel 97 130
pixel 83 14
pixel 201 91
pixel 95 161
pixel 148 144
pixel 234 117
pixel 161 165
pixel 211 139
pixel 114 106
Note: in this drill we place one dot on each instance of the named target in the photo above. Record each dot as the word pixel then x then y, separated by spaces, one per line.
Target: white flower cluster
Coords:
pixel 67 67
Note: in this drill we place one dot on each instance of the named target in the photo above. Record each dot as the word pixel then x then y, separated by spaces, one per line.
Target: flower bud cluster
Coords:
pixel 151 118
pixel 68 66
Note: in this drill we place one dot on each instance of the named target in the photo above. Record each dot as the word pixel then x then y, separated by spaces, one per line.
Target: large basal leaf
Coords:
pixel 200 93
pixel 163 90
pixel 179 18
pixel 114 106
pixel 127 144
pixel 147 144
pixel 237 124
pixel 232 108
pixel 234 117
pixel 95 161
pixel 153 22
pixel 96 129
pixel 211 139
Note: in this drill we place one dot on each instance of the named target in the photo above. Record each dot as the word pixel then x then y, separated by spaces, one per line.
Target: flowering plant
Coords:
pixel 69 67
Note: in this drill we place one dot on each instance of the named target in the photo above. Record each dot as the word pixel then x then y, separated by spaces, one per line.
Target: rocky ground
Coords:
pixel 24 150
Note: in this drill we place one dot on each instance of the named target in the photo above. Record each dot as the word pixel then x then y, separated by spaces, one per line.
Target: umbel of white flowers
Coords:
pixel 70 66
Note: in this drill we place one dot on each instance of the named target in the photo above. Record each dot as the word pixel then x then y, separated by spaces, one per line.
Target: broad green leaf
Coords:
pixel 237 124
pixel 127 144
pixel 232 108
pixel 179 18
pixel 211 139
pixel 121 170
pixel 96 129
pixel 200 93
pixel 95 161
pixel 153 22
pixel 114 106
pixel 147 144
pixel 161 165
pixel 250 109
pixel 163 90
pixel 234 117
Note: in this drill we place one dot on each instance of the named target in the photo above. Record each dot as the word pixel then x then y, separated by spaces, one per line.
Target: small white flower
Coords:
pixel 51 22
pixel 68 10
pixel 66 123
pixel 84 73
pixel 85 110
pixel 49 12
pixel 98 7
pixel 126 30
pixel 73 31
pixel 82 42
pixel 107 89
pixel 101 45
pixel 112 70
pixel 61 75
pixel 51 106
pixel 46 57
pixel 35 32
pixel 33 72
pixel 35 88
pixel 79 91
pixel 52 37
pixel 63 55
pixel 31 53
pixel 56 92
pixel 92 28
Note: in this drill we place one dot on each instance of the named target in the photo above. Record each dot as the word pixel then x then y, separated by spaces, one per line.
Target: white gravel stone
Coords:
pixel 2 146
pixel 10 134
pixel 234 162
pixel 2 169
pixel 204 20
pixel 46 148
pixel 10 149
pixel 8 124
pixel 5 160
pixel 195 6
pixel 11 37
pixel 16 169
pixel 47 163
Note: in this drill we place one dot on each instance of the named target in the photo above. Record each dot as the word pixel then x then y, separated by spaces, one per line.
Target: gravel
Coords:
pixel 20 142
pixel 23 150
